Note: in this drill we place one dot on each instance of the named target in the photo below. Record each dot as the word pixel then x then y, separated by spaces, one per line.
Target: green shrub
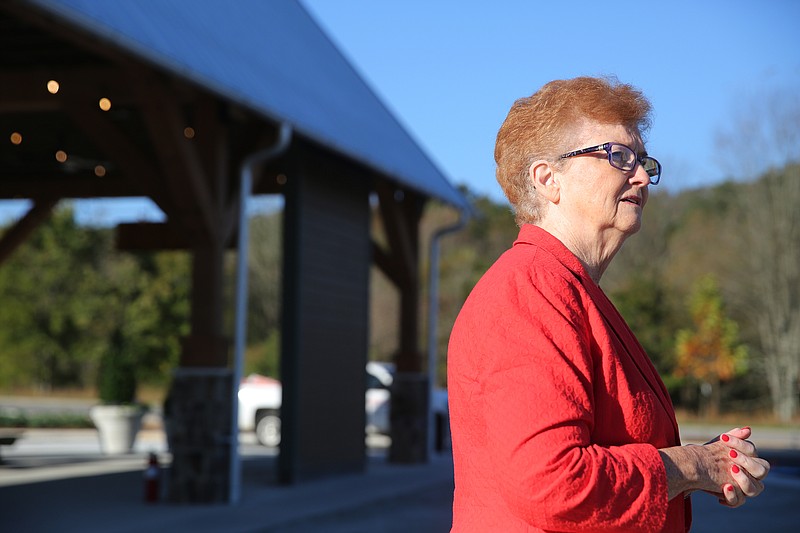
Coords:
pixel 116 383
pixel 45 420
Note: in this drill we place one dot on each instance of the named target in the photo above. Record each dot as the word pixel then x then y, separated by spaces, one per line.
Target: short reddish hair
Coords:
pixel 538 126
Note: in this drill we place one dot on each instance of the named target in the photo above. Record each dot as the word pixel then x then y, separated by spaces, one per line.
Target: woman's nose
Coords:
pixel 640 175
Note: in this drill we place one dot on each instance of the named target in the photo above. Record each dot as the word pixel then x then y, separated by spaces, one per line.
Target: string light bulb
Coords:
pixel 61 156
pixel 104 103
pixel 53 86
pixel 16 138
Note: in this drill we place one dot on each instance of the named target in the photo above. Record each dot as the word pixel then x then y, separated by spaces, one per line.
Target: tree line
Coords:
pixel 71 301
pixel 710 286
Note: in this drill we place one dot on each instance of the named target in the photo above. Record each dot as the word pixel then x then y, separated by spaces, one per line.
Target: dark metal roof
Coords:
pixel 272 57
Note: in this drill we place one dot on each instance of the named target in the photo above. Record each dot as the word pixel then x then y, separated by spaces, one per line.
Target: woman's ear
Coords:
pixel 544 180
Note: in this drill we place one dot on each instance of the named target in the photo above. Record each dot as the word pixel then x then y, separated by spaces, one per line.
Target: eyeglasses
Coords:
pixel 623 158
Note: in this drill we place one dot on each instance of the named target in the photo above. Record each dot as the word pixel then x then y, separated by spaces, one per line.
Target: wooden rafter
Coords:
pixel 189 187
pixel 383 261
pixel 212 147
pixel 401 247
pixel 118 147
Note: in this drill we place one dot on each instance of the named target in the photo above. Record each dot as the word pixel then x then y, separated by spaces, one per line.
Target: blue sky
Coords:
pixel 449 70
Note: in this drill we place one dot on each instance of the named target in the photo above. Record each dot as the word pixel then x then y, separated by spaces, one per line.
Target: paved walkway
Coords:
pixel 57 481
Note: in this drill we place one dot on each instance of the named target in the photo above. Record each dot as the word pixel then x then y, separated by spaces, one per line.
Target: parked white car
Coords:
pixel 260 404
pixel 260 407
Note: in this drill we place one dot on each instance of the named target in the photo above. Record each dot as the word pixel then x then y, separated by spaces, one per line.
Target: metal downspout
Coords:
pixel 246 186
pixel 433 315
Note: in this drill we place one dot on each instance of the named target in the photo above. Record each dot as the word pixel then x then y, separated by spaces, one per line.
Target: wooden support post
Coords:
pixel 401 212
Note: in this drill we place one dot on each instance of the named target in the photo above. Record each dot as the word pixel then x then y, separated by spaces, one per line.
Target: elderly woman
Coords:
pixel 559 419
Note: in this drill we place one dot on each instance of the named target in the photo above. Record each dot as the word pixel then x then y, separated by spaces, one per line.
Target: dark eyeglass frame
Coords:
pixel 653 165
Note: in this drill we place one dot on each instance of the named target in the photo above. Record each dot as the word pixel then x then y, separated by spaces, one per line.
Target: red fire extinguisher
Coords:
pixel 152 479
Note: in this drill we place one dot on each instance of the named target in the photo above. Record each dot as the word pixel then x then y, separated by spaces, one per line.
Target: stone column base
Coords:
pixel 198 421
pixel 409 418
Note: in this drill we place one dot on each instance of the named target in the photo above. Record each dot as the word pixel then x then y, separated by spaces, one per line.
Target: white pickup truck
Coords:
pixel 260 404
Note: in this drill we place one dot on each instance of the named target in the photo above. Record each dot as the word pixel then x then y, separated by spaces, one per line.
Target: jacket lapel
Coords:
pixel 631 346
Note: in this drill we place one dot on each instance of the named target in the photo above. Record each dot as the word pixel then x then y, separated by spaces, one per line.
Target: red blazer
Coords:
pixel 557 414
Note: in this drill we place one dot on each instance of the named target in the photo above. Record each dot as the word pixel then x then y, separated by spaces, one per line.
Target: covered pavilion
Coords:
pixel 177 101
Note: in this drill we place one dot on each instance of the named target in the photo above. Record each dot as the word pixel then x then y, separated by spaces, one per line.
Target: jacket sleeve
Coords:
pixel 539 414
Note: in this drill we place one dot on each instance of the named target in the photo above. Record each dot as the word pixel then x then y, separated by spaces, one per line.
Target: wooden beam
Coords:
pixel 56 186
pixel 185 175
pixel 400 217
pixel 384 262
pixel 401 247
pixel 119 148
pixel 213 139
pixel 251 137
pixel 20 231
pixel 141 236
pixel 210 139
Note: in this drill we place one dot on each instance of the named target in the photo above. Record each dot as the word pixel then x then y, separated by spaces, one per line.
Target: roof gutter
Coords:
pixel 246 190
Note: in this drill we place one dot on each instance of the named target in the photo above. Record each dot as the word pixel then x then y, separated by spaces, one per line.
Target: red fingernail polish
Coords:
pixel 734 454
pixel 725 437
pixel 735 469
pixel 729 488
pixel 746 427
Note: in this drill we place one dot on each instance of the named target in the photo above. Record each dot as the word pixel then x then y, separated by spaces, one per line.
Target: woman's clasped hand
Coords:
pixel 739 460
pixel 728 467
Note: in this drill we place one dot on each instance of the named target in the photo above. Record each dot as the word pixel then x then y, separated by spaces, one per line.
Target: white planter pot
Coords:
pixel 117 426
